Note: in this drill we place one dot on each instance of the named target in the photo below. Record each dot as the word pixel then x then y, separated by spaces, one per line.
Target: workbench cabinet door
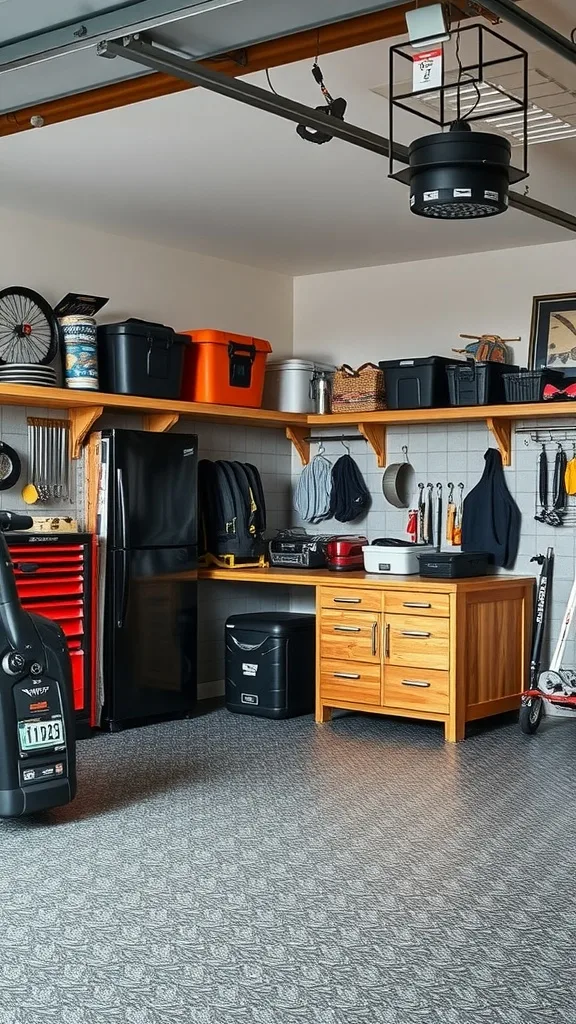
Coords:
pixel 417 641
pixel 350 636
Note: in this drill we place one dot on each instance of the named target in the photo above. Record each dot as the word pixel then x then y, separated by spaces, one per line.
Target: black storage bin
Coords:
pixel 140 358
pixel 478 383
pixel 417 383
pixel 270 664
pixel 528 385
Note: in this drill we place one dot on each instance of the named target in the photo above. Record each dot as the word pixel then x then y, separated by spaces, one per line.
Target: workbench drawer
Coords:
pixel 418 641
pixel 405 602
pixel 352 683
pixel 417 689
pixel 343 597
pixel 349 636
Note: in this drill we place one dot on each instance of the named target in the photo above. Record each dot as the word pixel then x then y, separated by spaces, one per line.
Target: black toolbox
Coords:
pixel 417 383
pixel 136 357
pixel 478 383
pixel 454 565
pixel 270 664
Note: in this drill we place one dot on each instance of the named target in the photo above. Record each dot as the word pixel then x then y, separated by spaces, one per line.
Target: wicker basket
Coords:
pixel 360 390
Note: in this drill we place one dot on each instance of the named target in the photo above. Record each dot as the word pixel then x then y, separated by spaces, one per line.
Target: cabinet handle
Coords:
pixel 347 600
pixel 374 639
pixel 346 675
pixel 415 633
pixel 347 629
pixel 415 682
pixel 417 604
pixel 387 641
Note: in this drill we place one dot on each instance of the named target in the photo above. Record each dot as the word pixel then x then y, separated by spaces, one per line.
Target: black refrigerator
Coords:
pixel 147 526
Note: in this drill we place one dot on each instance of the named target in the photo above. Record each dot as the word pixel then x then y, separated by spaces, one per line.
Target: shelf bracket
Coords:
pixel 81 422
pixel 299 438
pixel 160 421
pixel 375 434
pixel 502 431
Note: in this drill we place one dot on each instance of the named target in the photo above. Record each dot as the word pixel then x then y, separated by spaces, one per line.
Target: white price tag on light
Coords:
pixel 427 69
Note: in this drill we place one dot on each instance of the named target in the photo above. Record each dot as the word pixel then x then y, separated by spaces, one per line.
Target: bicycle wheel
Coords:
pixel 28 327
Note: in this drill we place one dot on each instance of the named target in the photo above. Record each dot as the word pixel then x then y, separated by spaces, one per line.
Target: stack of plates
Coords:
pixel 28 373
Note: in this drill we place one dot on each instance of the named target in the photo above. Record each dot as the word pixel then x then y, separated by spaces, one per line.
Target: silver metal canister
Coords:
pixel 321 392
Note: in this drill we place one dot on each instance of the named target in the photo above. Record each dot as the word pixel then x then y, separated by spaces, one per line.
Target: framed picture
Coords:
pixel 553 333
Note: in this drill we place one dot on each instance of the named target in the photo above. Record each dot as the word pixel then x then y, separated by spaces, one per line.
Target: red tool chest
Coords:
pixel 54 577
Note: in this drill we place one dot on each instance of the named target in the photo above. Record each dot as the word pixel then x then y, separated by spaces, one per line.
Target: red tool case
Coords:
pixel 54 577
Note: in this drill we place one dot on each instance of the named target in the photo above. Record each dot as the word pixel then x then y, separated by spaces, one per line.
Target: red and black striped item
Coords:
pixel 55 578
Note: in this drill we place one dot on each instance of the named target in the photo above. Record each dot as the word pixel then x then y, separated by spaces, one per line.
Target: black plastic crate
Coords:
pixel 419 383
pixel 528 385
pixel 478 383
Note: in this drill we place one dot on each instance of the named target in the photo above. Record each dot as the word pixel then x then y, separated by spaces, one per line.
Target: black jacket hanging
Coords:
pixel 350 496
pixel 491 519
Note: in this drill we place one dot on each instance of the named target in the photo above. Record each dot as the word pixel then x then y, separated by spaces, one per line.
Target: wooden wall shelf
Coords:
pixel 86 407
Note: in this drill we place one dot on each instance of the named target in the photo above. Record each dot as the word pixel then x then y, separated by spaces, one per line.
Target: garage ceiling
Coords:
pixel 66 33
pixel 200 172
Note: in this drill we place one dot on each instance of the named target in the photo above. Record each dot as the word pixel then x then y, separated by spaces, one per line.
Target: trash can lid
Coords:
pixel 275 623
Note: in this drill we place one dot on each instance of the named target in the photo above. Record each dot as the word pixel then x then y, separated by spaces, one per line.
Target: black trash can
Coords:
pixel 270 664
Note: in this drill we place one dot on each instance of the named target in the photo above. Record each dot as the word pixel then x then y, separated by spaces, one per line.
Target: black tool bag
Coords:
pixel 232 512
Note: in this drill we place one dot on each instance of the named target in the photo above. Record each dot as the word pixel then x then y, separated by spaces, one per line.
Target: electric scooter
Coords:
pixel 37 741
pixel 556 685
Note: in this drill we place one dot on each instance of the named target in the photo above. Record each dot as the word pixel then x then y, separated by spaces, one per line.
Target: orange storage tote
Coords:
pixel 224 369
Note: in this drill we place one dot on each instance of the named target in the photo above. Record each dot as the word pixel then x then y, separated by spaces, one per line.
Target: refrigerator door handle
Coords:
pixel 122 592
pixel 121 508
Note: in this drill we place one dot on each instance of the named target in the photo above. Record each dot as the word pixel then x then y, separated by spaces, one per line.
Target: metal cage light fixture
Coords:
pixel 460 173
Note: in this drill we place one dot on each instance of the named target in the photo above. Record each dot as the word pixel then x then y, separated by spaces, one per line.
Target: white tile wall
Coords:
pixel 454 452
pixel 437 452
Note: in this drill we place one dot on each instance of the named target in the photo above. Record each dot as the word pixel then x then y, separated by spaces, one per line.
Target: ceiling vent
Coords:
pixel 551 110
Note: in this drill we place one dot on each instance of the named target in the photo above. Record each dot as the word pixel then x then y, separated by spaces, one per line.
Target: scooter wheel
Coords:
pixel 531 715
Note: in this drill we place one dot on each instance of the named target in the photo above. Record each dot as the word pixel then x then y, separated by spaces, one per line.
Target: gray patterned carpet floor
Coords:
pixel 231 870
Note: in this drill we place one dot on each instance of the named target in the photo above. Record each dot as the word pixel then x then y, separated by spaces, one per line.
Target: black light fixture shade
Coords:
pixel 462 174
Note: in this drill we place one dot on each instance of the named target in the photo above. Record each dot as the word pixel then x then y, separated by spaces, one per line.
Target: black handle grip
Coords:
pixel 15 521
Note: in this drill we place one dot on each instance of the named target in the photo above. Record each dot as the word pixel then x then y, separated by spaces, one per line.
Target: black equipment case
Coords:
pixel 270 664
pixel 453 565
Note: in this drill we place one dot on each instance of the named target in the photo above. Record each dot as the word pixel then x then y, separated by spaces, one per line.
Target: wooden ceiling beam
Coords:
pixel 342 35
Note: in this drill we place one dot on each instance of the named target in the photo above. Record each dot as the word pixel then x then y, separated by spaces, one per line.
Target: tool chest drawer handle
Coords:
pixel 346 675
pixel 347 629
pixel 419 634
pixel 347 600
pixel 416 682
pixel 417 604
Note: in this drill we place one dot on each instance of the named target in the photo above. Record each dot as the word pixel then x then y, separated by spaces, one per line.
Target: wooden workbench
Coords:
pixel 448 651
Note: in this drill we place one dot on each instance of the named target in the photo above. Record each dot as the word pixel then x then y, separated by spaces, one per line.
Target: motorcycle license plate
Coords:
pixel 36 735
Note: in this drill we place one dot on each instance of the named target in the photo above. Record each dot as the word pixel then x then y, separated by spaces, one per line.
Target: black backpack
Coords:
pixel 232 511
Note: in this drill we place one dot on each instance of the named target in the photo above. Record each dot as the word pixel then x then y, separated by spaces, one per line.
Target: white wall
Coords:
pixel 411 309
pixel 181 289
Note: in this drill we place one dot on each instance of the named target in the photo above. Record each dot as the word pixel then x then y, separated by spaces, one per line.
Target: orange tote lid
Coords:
pixel 208 336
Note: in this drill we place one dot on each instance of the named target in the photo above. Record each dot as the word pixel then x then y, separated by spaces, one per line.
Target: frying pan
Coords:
pixel 398 482
pixel 10 466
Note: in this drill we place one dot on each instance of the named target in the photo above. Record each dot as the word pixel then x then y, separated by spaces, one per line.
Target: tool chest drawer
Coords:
pixel 342 597
pixel 417 640
pixel 54 578
pixel 355 683
pixel 350 635
pixel 404 602
pixel 420 689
